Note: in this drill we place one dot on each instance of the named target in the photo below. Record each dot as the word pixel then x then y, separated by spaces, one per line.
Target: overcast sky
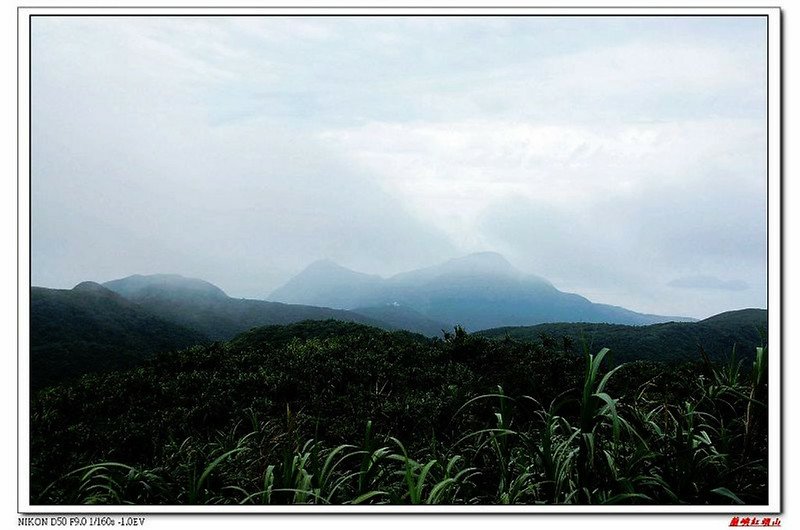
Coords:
pixel 621 158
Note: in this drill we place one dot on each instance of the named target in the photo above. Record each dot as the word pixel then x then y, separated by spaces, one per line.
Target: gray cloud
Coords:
pixel 708 282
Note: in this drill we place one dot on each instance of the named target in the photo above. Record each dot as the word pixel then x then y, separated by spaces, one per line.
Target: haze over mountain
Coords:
pixel 479 291
pixel 398 316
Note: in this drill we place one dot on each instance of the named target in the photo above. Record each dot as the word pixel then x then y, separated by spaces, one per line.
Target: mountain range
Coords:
pixel 116 325
pixel 478 291
pixel 205 308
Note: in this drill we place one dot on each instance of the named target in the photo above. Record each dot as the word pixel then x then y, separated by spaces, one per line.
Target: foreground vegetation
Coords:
pixel 668 341
pixel 340 413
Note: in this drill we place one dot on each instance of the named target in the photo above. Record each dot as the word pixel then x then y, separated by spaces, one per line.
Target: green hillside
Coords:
pixel 716 335
pixel 89 328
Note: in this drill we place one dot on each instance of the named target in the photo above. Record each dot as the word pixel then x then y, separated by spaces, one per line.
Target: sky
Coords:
pixel 622 158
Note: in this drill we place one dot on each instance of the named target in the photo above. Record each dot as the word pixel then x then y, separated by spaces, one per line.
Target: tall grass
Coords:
pixel 585 447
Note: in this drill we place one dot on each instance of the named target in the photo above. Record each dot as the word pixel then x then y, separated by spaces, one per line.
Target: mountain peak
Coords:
pixel 326 283
pixel 486 258
pixel 481 263
pixel 324 264
pixel 480 290
pixel 329 269
pixel 93 287
pixel 159 284
pixel 89 286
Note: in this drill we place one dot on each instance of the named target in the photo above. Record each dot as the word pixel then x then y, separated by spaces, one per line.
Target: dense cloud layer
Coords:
pixel 622 158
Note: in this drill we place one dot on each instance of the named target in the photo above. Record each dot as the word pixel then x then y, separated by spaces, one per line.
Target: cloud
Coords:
pixel 669 182
pixel 614 257
pixel 610 155
pixel 126 182
pixel 708 282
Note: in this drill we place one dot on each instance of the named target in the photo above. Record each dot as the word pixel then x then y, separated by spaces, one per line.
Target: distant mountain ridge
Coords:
pixel 478 291
pixel 205 308
pixel 95 327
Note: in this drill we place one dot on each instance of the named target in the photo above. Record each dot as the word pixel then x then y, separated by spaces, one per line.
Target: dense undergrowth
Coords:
pixel 338 413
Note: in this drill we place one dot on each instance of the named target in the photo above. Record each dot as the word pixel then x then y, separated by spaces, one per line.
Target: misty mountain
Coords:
pixel 165 285
pixel 716 335
pixel 90 329
pixel 478 291
pixel 206 309
pixel 324 283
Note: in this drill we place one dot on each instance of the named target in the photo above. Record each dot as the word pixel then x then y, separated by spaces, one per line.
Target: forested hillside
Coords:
pixel 89 328
pixel 715 336
pixel 333 412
